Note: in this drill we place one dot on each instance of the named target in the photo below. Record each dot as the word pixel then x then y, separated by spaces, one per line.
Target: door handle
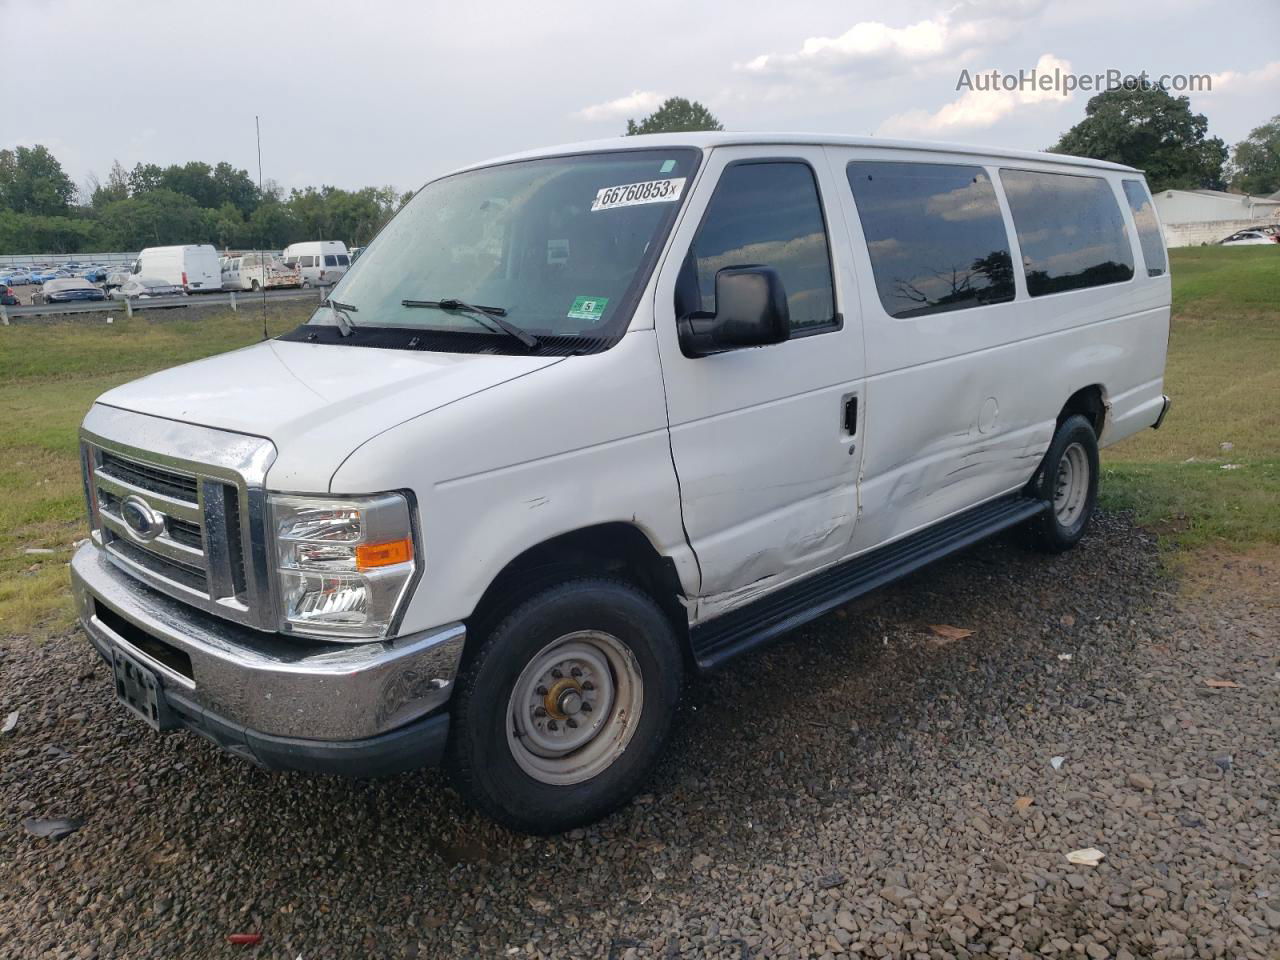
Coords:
pixel 851 416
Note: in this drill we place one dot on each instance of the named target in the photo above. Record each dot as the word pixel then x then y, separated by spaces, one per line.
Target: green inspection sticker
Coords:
pixel 588 308
pixel 667 166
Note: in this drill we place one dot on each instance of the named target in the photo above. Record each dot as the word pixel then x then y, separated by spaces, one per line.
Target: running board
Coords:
pixel 765 619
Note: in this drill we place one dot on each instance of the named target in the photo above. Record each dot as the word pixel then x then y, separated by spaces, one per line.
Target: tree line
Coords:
pixel 43 211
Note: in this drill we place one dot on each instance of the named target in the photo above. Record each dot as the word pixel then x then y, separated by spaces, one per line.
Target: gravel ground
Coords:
pixel 864 788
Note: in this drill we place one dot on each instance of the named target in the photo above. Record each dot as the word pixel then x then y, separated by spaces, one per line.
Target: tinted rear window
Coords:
pixel 330 260
pixel 935 235
pixel 1070 230
pixel 1144 218
pixel 343 260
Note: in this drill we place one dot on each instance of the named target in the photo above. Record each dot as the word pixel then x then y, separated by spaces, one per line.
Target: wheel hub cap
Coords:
pixel 574 707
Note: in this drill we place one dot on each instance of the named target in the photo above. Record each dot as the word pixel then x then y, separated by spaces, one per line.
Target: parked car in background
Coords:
pixel 67 290
pixel 355 253
pixel 144 288
pixel 1251 237
pixel 320 262
pixel 15 276
pixel 254 271
pixel 45 274
pixel 94 273
pixel 7 297
pixel 116 278
pixel 194 266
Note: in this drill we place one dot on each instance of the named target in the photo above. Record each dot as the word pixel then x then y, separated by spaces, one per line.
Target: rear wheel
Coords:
pixel 563 710
pixel 256 286
pixel 1068 480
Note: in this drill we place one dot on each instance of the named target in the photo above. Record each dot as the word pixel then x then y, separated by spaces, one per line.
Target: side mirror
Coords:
pixel 751 311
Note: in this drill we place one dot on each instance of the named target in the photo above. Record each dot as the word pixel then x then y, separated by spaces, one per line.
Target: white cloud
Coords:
pixel 1265 78
pixel 968 26
pixel 976 109
pixel 635 104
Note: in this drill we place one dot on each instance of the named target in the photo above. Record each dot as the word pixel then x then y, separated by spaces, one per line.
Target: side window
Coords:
pixel 767 214
pixel 1070 230
pixel 935 235
pixel 330 260
pixel 1144 218
pixel 306 261
pixel 344 260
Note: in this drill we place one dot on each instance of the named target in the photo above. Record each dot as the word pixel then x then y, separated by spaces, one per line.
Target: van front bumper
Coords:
pixel 369 709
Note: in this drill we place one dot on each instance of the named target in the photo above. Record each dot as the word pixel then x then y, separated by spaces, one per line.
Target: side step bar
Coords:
pixel 738 631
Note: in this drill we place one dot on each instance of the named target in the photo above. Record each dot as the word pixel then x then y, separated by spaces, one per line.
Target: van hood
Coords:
pixel 316 402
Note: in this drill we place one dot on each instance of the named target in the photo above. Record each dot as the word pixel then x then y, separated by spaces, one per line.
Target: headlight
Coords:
pixel 344 566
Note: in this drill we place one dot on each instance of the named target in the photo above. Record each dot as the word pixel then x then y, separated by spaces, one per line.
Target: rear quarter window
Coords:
pixel 330 260
pixel 1070 229
pixel 344 260
pixel 1144 218
pixel 935 236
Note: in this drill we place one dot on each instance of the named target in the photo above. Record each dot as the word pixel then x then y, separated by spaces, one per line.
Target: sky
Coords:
pixel 387 92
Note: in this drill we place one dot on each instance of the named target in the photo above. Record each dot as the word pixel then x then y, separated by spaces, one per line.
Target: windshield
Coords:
pixel 562 245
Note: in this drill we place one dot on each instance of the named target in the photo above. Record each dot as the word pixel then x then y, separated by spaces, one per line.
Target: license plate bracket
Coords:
pixel 140 692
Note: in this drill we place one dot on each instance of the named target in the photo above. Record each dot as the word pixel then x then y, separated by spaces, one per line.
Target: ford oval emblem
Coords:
pixel 142 522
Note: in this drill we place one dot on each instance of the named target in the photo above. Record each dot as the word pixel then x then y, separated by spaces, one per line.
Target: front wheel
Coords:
pixel 1068 480
pixel 561 713
pixel 256 286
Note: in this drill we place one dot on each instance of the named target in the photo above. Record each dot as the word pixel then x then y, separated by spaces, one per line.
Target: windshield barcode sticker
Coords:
pixel 632 194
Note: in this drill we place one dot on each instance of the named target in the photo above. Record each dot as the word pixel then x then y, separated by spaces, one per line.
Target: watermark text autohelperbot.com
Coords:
pixel 1066 83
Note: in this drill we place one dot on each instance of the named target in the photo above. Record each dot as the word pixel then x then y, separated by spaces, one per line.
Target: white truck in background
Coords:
pixel 194 266
pixel 321 262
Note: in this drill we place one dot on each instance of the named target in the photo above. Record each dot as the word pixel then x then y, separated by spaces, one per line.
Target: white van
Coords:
pixel 194 267
pixel 320 262
pixel 254 271
pixel 583 419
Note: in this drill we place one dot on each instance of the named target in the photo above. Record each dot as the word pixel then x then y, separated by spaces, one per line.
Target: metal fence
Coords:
pixel 231 298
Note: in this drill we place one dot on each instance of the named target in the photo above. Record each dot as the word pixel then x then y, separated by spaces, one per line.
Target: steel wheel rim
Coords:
pixel 1071 485
pixel 588 677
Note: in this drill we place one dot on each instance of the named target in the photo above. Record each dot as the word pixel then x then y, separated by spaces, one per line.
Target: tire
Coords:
pixel 1068 480
pixel 256 286
pixel 504 759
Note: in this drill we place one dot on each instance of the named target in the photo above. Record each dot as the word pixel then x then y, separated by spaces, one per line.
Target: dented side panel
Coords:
pixel 768 473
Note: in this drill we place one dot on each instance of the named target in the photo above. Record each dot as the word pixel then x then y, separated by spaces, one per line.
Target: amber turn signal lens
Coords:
pixel 369 555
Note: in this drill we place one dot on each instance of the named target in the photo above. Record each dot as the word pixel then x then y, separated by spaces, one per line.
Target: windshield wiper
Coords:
pixel 482 315
pixel 341 313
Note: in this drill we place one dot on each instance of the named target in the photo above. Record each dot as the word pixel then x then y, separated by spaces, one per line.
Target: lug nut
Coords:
pixel 542 691
pixel 539 711
pixel 576 672
pixel 553 725
pixel 588 685
pixel 572 723
pixel 556 672
pixel 586 706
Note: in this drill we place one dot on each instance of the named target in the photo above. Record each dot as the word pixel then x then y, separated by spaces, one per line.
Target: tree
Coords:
pixel 1255 160
pixel 676 115
pixel 143 178
pixel 154 218
pixel 1146 127
pixel 116 187
pixel 33 181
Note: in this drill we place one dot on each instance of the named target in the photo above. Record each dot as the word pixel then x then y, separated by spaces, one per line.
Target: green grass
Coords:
pixel 51 374
pixel 1223 374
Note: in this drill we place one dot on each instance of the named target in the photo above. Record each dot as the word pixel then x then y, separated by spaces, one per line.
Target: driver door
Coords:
pixel 765 440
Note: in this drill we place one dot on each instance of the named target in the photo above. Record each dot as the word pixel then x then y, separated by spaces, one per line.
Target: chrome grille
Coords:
pixel 187 520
